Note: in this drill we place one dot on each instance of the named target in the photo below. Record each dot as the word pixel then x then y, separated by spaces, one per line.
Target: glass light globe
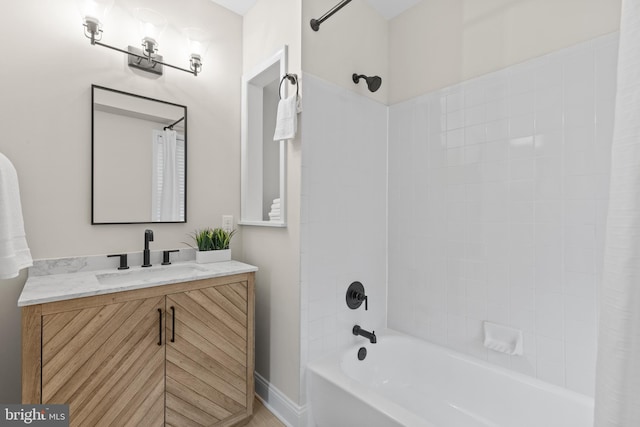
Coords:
pixel 151 24
pixel 198 40
pixel 94 10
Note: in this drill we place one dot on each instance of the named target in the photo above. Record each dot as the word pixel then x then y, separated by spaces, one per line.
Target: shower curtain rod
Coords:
pixel 315 23
pixel 174 123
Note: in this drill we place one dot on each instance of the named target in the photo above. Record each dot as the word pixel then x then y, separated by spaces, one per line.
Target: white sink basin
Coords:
pixel 150 274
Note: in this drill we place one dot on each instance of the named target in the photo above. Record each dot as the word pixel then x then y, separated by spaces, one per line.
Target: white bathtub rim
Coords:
pixel 332 372
pixel 329 368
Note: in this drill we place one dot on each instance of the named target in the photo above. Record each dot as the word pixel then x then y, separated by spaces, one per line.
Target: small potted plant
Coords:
pixel 212 245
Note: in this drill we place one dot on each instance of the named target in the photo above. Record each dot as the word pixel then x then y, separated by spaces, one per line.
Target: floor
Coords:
pixel 262 417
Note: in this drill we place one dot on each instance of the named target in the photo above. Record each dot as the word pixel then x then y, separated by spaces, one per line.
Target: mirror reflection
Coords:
pixel 139 148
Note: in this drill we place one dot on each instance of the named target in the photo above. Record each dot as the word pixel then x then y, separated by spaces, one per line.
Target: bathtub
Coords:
pixel 404 381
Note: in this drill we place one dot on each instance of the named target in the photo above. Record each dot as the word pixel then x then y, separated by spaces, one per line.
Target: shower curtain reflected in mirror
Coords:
pixel 618 366
pixel 168 176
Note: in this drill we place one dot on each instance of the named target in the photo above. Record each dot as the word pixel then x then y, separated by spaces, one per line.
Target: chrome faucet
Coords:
pixel 371 336
pixel 148 237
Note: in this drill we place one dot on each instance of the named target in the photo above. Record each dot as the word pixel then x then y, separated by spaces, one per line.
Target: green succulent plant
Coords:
pixel 212 239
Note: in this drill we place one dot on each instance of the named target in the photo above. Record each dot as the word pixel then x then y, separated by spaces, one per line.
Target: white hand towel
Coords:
pixel 276 201
pixel 14 252
pixel 287 119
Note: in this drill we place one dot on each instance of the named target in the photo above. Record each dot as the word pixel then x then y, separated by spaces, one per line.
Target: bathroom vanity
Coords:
pixel 160 346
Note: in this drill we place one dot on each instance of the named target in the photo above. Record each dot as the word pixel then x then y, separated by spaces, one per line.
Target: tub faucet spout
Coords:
pixel 371 336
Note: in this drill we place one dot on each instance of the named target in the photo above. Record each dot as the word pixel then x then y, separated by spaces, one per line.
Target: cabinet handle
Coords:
pixel 159 326
pixel 173 324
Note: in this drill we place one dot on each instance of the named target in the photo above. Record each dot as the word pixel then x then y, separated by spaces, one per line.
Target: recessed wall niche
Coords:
pixel 263 164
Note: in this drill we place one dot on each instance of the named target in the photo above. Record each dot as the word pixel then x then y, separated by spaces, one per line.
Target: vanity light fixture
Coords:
pixel 198 40
pixel 151 25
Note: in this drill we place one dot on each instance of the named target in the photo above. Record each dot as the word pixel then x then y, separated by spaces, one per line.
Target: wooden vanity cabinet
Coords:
pixel 105 362
pixel 173 355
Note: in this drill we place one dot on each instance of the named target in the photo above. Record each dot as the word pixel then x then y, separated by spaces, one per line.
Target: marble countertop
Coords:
pixel 59 287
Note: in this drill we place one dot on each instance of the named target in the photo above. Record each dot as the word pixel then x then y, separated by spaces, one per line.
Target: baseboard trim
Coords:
pixel 287 411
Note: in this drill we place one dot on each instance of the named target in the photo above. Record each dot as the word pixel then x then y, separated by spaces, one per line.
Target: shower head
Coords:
pixel 373 83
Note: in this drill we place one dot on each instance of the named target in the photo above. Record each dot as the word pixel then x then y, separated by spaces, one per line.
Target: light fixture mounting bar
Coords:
pixel 134 60
pixel 145 58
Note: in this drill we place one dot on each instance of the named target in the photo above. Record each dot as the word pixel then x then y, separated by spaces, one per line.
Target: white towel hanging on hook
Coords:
pixel 287 119
pixel 288 109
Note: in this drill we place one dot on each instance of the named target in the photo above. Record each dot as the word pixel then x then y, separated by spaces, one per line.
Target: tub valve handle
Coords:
pixel 362 297
pixel 355 296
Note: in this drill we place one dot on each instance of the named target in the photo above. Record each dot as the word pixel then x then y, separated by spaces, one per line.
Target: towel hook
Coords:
pixel 293 79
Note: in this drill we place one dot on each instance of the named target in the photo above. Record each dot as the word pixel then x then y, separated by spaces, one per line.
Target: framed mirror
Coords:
pixel 263 161
pixel 138 159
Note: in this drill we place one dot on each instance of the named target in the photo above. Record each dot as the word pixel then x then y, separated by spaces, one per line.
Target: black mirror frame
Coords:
pixel 93 222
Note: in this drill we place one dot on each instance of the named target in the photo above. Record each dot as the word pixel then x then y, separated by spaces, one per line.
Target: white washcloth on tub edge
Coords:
pixel 287 119
pixel 14 252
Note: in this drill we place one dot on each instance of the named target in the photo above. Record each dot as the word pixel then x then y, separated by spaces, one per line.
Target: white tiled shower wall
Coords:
pixel 498 193
pixel 344 215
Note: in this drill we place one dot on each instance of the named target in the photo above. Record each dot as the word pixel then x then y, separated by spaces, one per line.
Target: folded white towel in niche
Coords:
pixel 275 213
pixel 14 252
pixel 287 119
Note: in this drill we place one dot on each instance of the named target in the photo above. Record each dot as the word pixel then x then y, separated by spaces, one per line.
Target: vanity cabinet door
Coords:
pixel 209 378
pixel 106 363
